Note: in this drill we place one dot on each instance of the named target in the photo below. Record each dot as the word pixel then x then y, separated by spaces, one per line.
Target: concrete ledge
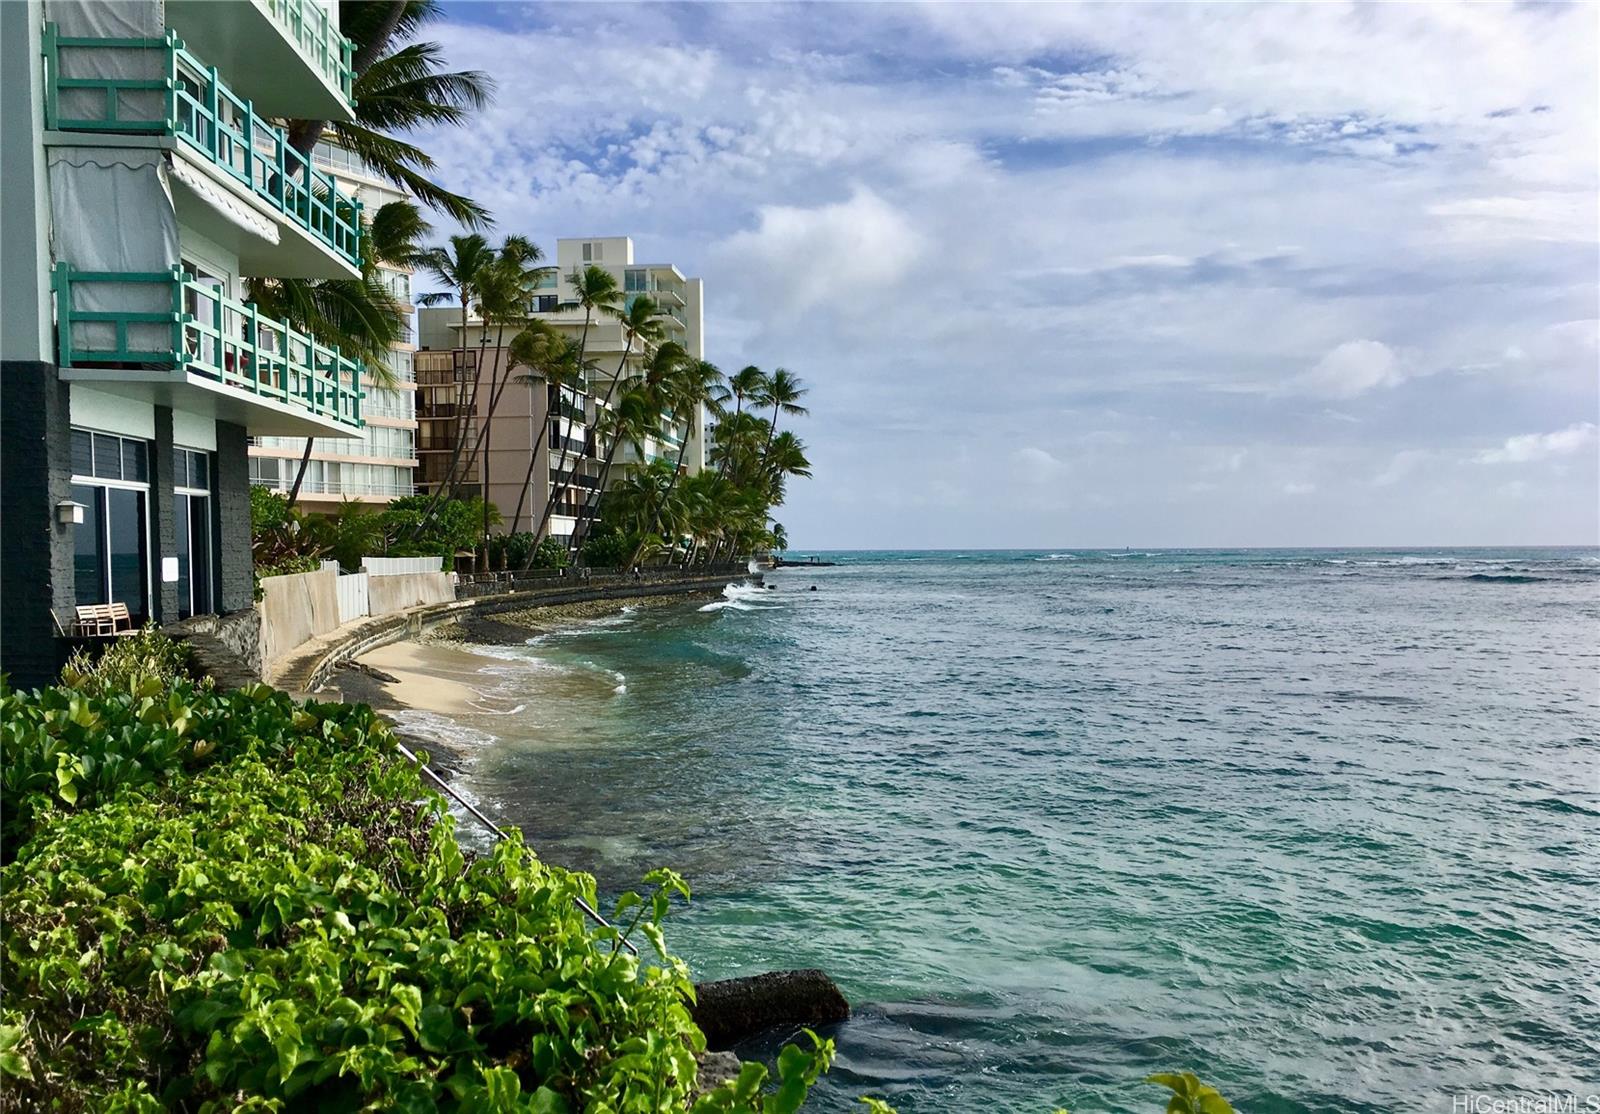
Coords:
pixel 307 668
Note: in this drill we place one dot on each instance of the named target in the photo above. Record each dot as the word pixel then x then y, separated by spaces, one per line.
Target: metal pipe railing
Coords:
pixel 494 828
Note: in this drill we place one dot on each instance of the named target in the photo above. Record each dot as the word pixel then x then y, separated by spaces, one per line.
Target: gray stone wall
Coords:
pixel 163 527
pixel 235 586
pixel 36 575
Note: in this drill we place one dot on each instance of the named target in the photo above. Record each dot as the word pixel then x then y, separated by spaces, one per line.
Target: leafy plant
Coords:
pixel 287 921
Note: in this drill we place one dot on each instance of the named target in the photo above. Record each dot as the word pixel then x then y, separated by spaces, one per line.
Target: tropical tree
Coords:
pixel 553 364
pixel 783 393
pixel 400 86
pixel 641 324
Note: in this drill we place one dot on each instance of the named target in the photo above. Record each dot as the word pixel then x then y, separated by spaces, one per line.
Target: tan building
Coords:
pixel 448 358
pixel 379 466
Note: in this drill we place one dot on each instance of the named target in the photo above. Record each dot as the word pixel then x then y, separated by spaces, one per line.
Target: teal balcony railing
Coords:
pixel 183 97
pixel 166 319
pixel 309 25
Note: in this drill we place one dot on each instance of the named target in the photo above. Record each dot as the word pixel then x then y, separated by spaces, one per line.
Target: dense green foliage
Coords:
pixel 230 901
pixel 519 551
pixel 286 539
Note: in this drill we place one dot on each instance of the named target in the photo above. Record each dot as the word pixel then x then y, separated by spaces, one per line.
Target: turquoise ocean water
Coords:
pixel 1321 825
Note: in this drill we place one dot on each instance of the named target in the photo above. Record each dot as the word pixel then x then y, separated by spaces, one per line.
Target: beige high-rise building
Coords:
pixel 447 365
pixel 380 465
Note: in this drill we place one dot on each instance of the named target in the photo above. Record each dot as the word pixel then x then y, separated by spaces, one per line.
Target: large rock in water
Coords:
pixel 732 1010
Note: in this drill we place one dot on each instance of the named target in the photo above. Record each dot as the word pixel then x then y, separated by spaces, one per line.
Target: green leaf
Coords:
pixel 436 1029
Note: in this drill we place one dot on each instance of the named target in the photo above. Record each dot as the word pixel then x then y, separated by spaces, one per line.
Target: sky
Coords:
pixel 1101 275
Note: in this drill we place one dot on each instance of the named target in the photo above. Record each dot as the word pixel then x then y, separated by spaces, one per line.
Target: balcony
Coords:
pixel 286 55
pixel 175 341
pixel 234 148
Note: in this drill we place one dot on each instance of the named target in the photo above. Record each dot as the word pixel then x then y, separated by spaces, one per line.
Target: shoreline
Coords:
pixel 431 673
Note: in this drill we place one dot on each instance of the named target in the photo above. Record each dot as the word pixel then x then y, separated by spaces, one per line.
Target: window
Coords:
pixel 593 252
pixel 191 505
pixel 111 555
pixel 547 303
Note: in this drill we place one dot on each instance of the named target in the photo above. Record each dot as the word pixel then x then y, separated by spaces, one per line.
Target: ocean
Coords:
pixel 1322 826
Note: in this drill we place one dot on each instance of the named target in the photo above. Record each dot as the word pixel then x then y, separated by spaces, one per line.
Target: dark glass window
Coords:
pixel 82 453
pixel 134 465
pixel 88 538
pixel 199 556
pixel 126 552
pixel 200 470
pixel 107 456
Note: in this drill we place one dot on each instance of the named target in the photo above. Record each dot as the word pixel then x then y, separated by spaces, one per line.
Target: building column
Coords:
pixel 36 562
pixel 235 580
pixel 163 518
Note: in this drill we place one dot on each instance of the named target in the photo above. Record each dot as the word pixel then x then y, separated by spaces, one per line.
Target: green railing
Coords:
pixel 187 323
pixel 309 26
pixel 189 101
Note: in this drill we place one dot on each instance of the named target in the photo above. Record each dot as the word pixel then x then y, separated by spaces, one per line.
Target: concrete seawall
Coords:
pixel 308 668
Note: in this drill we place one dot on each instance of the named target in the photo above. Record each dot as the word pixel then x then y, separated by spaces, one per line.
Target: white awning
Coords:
pixel 220 198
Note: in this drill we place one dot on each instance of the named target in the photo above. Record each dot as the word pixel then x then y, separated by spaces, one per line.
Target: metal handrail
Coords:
pixel 494 828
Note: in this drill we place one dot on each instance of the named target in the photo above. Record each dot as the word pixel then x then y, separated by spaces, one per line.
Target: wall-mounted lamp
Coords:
pixel 69 513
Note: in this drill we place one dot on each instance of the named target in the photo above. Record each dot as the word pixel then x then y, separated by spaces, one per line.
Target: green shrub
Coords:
pixel 287 921
pixel 607 547
pixel 128 663
pixel 550 554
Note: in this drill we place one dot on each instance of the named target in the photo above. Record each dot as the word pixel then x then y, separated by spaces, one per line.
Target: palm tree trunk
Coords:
pixel 300 474
pixel 533 459
pixel 554 497
pixel 593 505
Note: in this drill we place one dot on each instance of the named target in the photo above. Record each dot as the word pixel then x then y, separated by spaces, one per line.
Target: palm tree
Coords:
pixel 595 288
pixel 397 89
pixel 640 320
pixel 461 267
pixel 783 393
pixel 503 298
pixel 552 363
pixel 360 316
pixel 694 387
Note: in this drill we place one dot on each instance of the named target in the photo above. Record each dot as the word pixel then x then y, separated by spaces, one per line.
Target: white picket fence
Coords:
pixel 352 588
pixel 401 566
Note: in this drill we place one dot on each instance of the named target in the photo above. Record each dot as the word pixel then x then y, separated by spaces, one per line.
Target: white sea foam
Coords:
pixel 739 597
pixel 439 728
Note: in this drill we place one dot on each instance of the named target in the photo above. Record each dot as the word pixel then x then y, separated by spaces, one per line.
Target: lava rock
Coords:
pixel 733 1010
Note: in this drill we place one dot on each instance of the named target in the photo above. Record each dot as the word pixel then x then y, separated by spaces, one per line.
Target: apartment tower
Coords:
pixel 451 352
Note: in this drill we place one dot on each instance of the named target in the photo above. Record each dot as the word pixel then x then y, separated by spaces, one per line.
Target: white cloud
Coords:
pixel 840 253
pixel 1035 465
pixel 1530 447
pixel 973 242
pixel 1299 488
pixel 1353 368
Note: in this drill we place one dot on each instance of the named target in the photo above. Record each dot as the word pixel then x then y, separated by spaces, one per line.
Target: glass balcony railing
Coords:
pixel 182 97
pixel 164 319
pixel 309 25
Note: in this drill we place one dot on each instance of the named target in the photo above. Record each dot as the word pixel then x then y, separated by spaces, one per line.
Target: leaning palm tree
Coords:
pixel 595 290
pixel 694 388
pixel 552 363
pixel 633 420
pixel 400 87
pixel 641 323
